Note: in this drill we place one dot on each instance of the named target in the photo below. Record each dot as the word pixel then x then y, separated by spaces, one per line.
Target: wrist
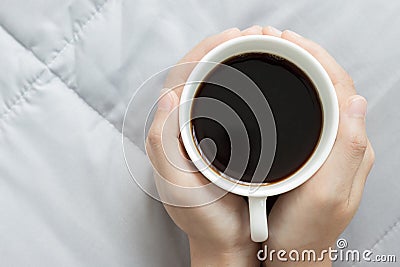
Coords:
pixel 202 254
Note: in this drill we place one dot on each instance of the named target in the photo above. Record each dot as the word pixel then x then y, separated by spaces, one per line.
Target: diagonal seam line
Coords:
pixel 23 94
pixel 97 112
pixel 29 86
pixel 389 230
pixel 83 101
pixel 76 33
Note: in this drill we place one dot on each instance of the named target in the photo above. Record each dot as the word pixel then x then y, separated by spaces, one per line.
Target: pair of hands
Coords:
pixel 311 216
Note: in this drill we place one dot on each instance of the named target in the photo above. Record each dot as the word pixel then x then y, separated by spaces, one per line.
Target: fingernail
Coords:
pixel 254 28
pixel 274 30
pixel 230 30
pixel 293 33
pixel 357 107
pixel 166 101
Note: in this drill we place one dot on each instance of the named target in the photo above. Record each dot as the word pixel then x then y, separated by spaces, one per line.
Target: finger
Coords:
pixel 360 178
pixel 341 80
pixel 253 30
pixel 348 151
pixel 175 186
pixel 167 102
pixel 164 131
pixel 209 43
pixel 163 145
pixel 269 30
pixel 181 71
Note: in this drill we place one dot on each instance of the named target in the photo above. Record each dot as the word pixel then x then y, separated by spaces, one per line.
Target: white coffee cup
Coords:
pixel 258 194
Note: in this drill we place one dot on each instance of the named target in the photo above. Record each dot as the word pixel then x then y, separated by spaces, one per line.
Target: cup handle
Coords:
pixel 258 218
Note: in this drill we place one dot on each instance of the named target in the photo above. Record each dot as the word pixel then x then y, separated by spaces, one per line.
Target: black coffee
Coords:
pixel 295 106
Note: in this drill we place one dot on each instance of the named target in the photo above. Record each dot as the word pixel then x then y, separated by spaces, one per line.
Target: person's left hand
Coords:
pixel 219 232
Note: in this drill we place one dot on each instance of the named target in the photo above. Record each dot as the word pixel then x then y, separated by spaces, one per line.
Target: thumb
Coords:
pixel 165 123
pixel 177 180
pixel 352 137
pixel 162 145
pixel 351 143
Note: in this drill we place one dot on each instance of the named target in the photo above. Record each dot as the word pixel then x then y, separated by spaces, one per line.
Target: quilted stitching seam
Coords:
pixel 388 231
pixel 30 85
pixel 76 33
pixel 96 111
pixel 21 95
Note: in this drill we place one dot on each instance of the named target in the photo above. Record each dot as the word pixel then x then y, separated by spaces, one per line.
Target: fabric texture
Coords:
pixel 68 70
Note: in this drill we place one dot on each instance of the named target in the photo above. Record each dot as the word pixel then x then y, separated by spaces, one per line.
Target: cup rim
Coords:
pixel 303 60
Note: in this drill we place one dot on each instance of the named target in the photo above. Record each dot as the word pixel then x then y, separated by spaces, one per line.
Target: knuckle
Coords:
pixel 153 138
pixel 357 146
pixel 285 33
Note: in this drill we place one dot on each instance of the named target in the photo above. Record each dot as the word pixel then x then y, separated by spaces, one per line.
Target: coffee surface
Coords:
pixel 296 110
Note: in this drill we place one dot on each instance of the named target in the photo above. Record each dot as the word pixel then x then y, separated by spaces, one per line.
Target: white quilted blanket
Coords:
pixel 67 72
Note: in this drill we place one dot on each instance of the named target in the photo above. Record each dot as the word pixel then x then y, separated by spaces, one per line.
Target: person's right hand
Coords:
pixel 313 215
